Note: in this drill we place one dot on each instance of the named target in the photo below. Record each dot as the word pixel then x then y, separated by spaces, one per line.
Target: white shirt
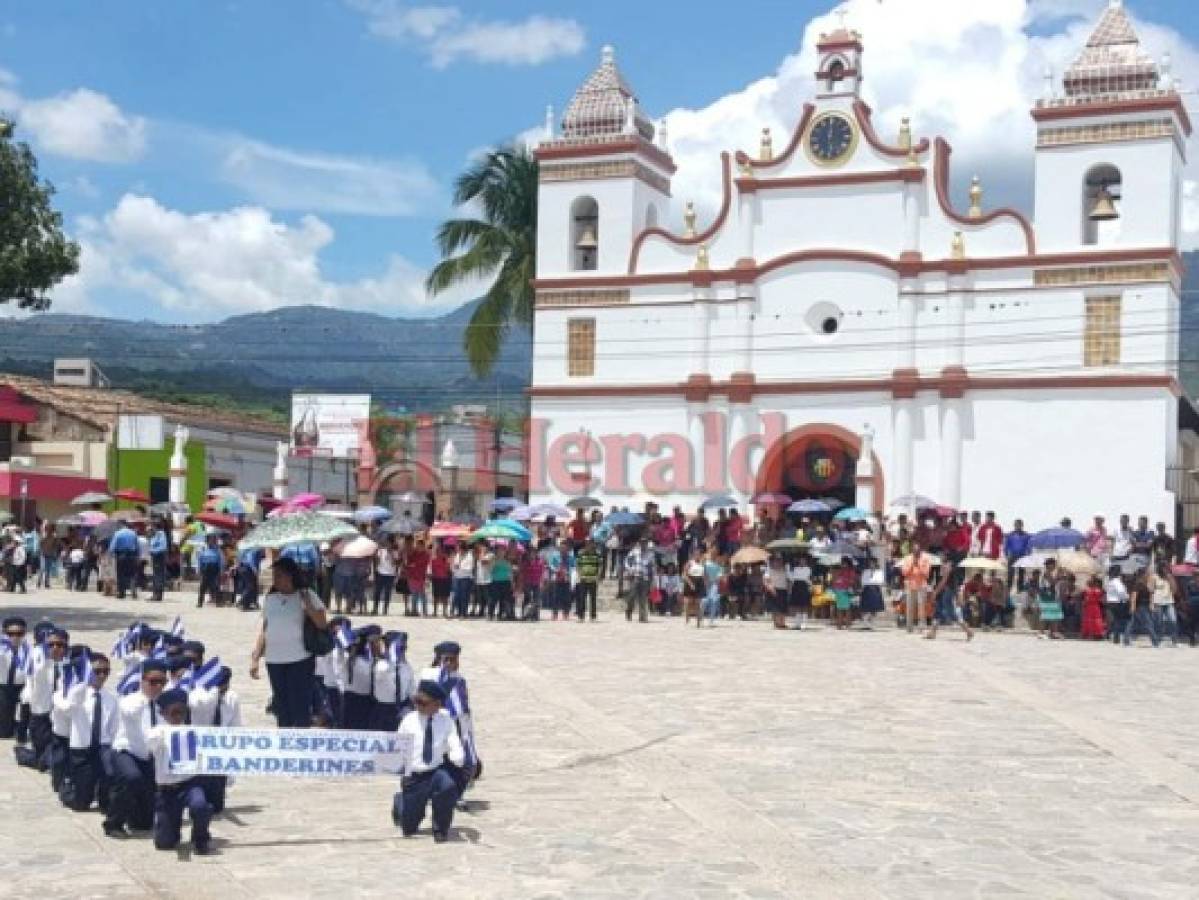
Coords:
pixel 464 565
pixel 446 743
pixel 143 547
pixel 1116 591
pixel 40 696
pixel 8 656
pixel 1122 543
pixel 76 557
pixel 284 618
pixel 1191 554
pixel 385 681
pixel 358 676
pixel 160 750
pixel 136 717
pixel 385 561
pixel 799 573
pixel 331 669
pixel 204 703
pixel 79 704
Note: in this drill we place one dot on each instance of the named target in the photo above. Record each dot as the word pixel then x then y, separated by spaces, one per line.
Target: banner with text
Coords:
pixel 286 751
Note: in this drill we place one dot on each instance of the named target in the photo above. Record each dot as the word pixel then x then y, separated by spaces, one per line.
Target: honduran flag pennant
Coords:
pixel 177 627
pixel 69 676
pixel 33 658
pixel 131 682
pixel 344 636
pixel 206 675
pixel 85 669
pixel 396 651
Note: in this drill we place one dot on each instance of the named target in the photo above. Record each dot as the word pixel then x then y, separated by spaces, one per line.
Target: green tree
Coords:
pixel 501 244
pixel 34 253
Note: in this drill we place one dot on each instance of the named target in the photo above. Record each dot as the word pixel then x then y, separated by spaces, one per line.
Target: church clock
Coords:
pixel 831 139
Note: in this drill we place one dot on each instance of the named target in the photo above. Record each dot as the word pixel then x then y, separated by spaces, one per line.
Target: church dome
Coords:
pixel 600 108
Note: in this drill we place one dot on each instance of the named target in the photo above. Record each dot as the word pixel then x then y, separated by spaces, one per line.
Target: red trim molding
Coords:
pixel 828 46
pixel 744 159
pixel 680 241
pixel 1170 103
pixel 862 112
pixel 941 182
pixel 908 266
pixel 753 185
pixel 616 148
pixel 902 384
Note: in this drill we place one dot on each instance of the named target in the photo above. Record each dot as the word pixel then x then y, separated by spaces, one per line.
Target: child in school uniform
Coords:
pixel 358 700
pixel 91 711
pixel 394 681
pixel 435 755
pixel 176 792
pixel 669 586
pixel 331 675
pixel 216 707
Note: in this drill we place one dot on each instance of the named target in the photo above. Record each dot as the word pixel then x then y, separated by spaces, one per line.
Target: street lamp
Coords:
pixel 449 463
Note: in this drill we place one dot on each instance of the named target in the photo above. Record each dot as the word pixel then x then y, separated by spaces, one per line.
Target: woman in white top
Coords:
pixel 778 588
pixel 387 559
pixel 289 665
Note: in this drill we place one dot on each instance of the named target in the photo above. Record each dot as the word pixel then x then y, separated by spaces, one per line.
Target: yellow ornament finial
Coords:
pixel 766 150
pixel 976 198
pixel 702 263
pixel 746 170
pixel 905 134
pixel 957 248
pixel 689 220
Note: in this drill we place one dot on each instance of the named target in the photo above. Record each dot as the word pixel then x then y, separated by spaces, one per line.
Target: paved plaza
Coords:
pixel 658 761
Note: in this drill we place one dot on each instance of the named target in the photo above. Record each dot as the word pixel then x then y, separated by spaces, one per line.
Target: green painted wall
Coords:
pixel 135 468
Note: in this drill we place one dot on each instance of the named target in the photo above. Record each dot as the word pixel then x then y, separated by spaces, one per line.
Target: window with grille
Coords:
pixel 1101 341
pixel 580 347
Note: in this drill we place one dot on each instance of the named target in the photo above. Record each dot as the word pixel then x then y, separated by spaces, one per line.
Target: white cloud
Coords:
pixel 84 124
pixel 209 265
pixel 449 36
pixel 967 71
pixel 293 180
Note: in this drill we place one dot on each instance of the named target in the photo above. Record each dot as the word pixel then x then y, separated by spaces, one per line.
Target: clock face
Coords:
pixel 831 139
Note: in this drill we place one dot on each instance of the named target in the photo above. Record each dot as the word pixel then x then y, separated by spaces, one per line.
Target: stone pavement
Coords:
pixel 661 761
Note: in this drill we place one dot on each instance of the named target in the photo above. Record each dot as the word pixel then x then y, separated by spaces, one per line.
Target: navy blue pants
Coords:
pixel 131 797
pixel 357 710
pixel 126 573
pixel 12 723
pixel 293 686
pixel 57 755
pixel 385 717
pixel 214 789
pixel 436 788
pixel 158 569
pixel 210 585
pixel 86 780
pixel 169 804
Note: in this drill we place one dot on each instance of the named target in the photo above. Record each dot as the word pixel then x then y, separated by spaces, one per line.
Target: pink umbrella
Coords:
pixel 307 501
pixel 92 517
pixel 449 530
pixel 776 499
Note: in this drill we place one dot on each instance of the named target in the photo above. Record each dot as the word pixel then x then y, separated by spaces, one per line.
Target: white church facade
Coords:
pixel 837 296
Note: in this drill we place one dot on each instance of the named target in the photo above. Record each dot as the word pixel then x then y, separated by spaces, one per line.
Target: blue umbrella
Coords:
pixel 370 514
pixel 852 514
pixel 618 519
pixel 514 528
pixel 809 506
pixel 505 503
pixel 719 501
pixel 1056 539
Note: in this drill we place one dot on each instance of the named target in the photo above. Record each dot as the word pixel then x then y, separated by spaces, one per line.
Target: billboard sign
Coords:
pixel 140 432
pixel 328 424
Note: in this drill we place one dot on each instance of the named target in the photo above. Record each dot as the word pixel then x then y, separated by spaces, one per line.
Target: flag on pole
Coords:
pixel 131 682
pixel 206 675
pixel 344 636
pixel 177 627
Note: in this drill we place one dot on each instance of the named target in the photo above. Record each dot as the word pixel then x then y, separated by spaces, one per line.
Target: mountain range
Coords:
pixel 256 360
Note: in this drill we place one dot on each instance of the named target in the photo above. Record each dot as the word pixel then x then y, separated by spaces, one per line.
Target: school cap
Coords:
pixel 194 646
pixel 175 663
pixel 369 631
pixel 448 648
pixel 60 633
pixel 42 628
pixel 172 697
pixel 172 640
pixel 432 690
pixel 12 621
pixel 148 635
pixel 153 665
pixel 223 676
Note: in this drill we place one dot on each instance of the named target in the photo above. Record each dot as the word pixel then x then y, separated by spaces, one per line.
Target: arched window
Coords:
pixel 836 73
pixel 1102 196
pixel 584 234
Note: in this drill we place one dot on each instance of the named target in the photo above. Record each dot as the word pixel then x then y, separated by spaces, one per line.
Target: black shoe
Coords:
pixel 117 832
pixel 440 837
pixel 202 849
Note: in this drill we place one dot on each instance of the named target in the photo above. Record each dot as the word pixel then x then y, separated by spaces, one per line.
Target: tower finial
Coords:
pixel 976 198
pixel 608 55
pixel 549 122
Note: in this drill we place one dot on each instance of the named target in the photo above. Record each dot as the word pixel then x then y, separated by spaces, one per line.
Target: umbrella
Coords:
pixel 852 514
pixel 584 503
pixel 228 504
pixel 370 514
pixel 307 501
pixel 495 530
pixel 942 512
pixel 404 526
pixel 505 503
pixel 1033 560
pixel 449 530
pixel 132 495
pixel 345 515
pixel 787 545
pixel 90 498
pixel 1183 570
pixel 6 516
pixel 520 513
pixel 809 506
pixel 360 547
pixel 74 521
pixel 748 556
pixel 833 502
pixel 623 517
pixel 913 501
pixel 1078 562
pixel 166 509
pixel 768 499
pixel 844 548
pixel 218 520
pixel 301 528
pixel 515 529
pixel 1056 539
pixel 92 517
pixel 545 510
pixel 410 497
pixel 983 564
pixel 719 501
pixel 225 491
pixel 105 530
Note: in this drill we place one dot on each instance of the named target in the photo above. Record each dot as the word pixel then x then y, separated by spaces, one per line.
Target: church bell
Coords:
pixel 1104 209
pixel 587 240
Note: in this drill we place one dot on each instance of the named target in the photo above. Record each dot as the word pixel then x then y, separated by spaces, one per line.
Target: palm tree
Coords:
pixel 502 244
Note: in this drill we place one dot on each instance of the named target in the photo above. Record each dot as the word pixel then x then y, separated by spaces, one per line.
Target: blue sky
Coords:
pixel 218 157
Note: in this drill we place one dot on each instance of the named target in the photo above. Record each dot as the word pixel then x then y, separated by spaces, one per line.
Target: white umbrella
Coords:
pixel 1033 561
pixel 360 547
pixel 983 564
